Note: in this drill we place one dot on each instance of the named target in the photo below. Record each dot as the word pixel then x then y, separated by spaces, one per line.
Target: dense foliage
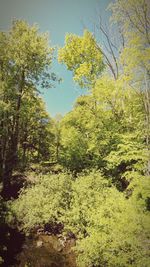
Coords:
pixel 89 170
pixel 25 59
pixel 44 201
pixel 83 57
pixel 111 229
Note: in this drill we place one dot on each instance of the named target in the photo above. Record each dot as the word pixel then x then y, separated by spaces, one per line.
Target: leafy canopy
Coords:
pixel 82 56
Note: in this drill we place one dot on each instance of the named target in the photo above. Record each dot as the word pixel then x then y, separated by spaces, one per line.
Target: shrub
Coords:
pixel 44 201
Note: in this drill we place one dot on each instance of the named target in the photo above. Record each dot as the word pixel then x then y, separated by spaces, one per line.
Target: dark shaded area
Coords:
pixel 36 250
pixel 12 191
pixel 49 229
pixel 54 228
pixel 11 241
pixel 148 203
pixel 44 247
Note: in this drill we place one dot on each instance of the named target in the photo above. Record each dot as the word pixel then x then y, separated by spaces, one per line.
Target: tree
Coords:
pixel 35 137
pixel 25 59
pixel 105 130
pixel 56 133
pixel 133 18
pixel 82 56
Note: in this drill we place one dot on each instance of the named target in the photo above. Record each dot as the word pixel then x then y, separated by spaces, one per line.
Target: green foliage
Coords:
pixel 44 202
pixel 105 130
pixel 82 56
pixel 133 19
pixel 128 157
pixel 32 52
pixel 25 126
pixel 74 149
pixel 35 132
pixel 108 131
pixel 111 230
pixel 140 188
pixel 89 192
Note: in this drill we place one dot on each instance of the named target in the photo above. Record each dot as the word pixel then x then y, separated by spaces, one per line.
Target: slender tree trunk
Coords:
pixel 11 157
pixel 147 117
pixel 57 151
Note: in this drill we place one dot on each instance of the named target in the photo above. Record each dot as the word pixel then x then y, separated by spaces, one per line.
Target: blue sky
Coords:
pixel 57 17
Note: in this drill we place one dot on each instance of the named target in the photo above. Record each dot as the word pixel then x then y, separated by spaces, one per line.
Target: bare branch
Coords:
pixel 108 63
pixel 109 47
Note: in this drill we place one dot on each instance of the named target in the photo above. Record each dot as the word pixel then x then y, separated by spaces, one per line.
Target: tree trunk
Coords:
pixel 11 157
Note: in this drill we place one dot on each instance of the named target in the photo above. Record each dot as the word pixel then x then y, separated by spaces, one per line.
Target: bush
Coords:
pixel 111 229
pixel 43 202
